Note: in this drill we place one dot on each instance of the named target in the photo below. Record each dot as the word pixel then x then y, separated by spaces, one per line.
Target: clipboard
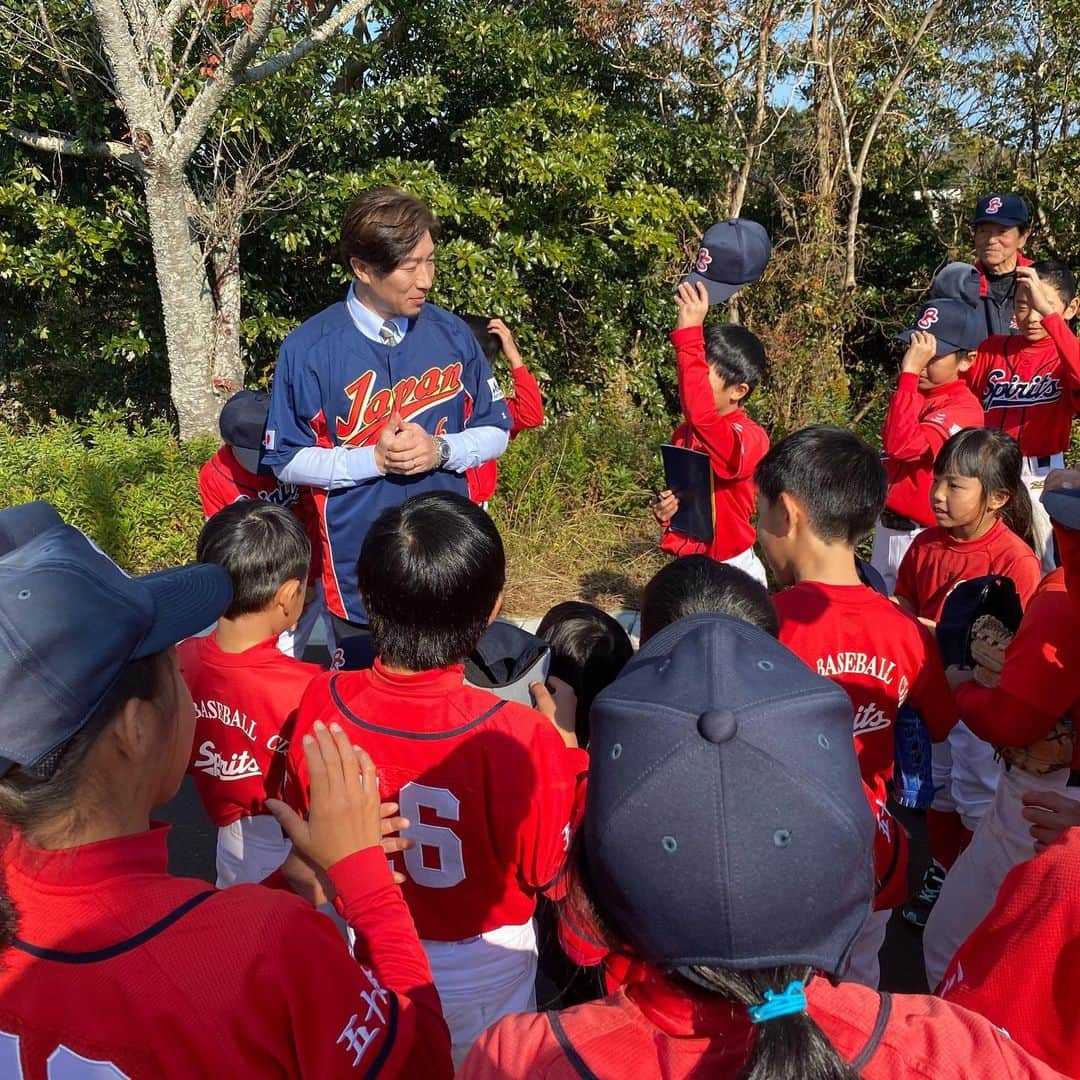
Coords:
pixel 689 475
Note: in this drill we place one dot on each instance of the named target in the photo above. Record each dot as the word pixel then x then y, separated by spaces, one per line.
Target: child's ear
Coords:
pixel 792 512
pixel 964 360
pixel 995 500
pixel 497 608
pixel 1071 309
pixel 738 391
pixel 286 595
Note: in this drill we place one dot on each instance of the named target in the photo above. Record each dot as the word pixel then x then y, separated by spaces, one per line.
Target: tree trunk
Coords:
pixel 202 341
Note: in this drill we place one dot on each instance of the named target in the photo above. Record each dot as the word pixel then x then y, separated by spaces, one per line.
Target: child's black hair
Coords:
pixel 993 458
pixel 697 585
pixel 430 573
pixel 736 355
pixel 261 545
pixel 834 474
pixel 1058 276
pixel 489 342
pixel 588 649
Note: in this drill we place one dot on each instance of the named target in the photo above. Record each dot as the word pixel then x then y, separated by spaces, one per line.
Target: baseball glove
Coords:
pixel 1046 755
pixel 990 638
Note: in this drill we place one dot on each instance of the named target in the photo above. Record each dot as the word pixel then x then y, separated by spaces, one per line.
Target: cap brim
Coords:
pixel 997 219
pixel 187 600
pixel 1063 506
pixel 944 348
pixel 718 291
pixel 248 458
pixel 20 524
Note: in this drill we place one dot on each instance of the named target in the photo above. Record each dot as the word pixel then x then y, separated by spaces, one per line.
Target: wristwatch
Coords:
pixel 443 450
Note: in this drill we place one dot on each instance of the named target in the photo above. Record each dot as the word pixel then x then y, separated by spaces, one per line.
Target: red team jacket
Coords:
pixel 658 1028
pixel 936 563
pixel 122 970
pixel 526 409
pixel 1030 390
pixel 734 443
pixel 917 425
pixel 1018 967
pixel 245 705
pixel 879 654
pixel 1039 679
pixel 488 785
pixel 223 481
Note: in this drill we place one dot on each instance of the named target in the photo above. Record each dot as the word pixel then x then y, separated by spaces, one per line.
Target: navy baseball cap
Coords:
pixel 1063 506
pixel 726 822
pixel 243 425
pixel 71 621
pixel 732 254
pixel 955 324
pixel 1002 210
pixel 957 281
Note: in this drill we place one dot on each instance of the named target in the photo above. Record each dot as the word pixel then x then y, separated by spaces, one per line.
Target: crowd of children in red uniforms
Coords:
pixel 709 820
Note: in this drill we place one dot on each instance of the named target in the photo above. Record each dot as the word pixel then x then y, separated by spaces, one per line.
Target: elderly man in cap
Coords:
pixel 1002 227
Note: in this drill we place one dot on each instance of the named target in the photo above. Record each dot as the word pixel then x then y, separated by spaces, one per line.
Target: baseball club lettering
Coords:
pixel 412 396
pixel 238 767
pixel 357 1036
pixel 230 717
pixel 276 744
pixel 869 717
pixel 1003 392
pixel 929 317
pixel 857 663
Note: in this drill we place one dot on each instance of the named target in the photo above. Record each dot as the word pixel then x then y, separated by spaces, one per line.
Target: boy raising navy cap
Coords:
pixel 727 847
pixel 112 967
pixel 930 404
pixel 819 492
pixel 1002 225
pixel 488 784
pixel 718 369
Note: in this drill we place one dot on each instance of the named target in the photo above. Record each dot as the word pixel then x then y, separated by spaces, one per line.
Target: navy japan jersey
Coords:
pixel 333 386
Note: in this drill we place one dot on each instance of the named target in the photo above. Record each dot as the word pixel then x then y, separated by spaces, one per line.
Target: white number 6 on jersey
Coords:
pixel 451 868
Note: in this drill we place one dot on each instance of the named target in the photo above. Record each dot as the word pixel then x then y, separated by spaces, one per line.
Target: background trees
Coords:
pixel 574 149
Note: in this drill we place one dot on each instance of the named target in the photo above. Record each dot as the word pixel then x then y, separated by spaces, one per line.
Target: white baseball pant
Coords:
pixel 890 547
pixel 249 849
pixel 1033 472
pixel 748 562
pixel 482 979
pixel 1001 842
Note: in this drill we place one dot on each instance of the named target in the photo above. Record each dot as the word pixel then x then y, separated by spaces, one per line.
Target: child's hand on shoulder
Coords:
pixel 692 300
pixel 506 340
pixel 920 351
pixel 1041 300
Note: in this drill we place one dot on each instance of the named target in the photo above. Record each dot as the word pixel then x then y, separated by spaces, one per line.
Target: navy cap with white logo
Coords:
pixel 726 822
pixel 243 425
pixel 1002 209
pixel 71 621
pixel 955 324
pixel 732 254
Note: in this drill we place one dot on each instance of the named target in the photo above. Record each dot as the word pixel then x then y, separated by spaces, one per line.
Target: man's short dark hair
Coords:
pixel 588 649
pixel 736 355
pixel 698 585
pixel 262 546
pixel 834 474
pixel 430 573
pixel 381 226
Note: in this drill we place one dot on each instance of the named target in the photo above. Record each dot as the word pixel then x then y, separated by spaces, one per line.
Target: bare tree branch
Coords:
pixel 68 144
pixel 322 32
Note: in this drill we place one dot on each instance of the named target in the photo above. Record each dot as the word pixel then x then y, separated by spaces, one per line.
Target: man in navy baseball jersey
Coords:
pixel 379 397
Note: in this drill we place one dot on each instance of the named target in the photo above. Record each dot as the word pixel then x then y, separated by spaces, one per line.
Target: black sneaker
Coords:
pixel 917 911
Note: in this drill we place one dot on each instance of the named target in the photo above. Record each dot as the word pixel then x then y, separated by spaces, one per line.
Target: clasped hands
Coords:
pixel 405 448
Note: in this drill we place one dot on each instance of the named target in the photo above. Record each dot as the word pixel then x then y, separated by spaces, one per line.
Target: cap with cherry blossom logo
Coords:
pixel 1002 209
pixel 732 254
pixel 956 326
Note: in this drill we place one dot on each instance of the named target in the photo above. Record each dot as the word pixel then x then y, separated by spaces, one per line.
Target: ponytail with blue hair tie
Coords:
pixel 791 1000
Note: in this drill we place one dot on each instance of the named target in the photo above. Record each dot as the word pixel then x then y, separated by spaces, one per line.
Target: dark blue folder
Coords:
pixel 688 474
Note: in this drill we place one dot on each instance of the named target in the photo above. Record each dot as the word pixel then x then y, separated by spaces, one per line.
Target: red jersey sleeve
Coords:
pixel 724 438
pixel 905 436
pixel 1068 348
pixel 378 1015
pixel 526 406
pixel 930 695
pixel 214 493
pixel 1069 550
pixel 907 577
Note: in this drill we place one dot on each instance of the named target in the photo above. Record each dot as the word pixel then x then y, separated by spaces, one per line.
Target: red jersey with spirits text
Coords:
pixel 937 562
pixel 488 786
pixel 1030 390
pixel 526 409
pixel 879 654
pixel 735 445
pixel 917 425
pixel 245 706
pixel 121 970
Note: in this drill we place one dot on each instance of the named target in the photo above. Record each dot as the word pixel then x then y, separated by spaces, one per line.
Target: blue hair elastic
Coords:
pixel 792 1000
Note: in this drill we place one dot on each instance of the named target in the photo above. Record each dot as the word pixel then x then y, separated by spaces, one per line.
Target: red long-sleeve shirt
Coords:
pixel 917 425
pixel 527 411
pixel 1030 390
pixel 734 443
pixel 119 962
pixel 1039 679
